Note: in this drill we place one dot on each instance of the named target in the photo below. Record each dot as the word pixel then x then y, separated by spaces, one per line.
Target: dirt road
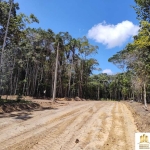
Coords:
pixel 79 125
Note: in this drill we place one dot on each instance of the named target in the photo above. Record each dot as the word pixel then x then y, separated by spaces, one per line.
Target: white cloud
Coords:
pixel 113 35
pixel 108 71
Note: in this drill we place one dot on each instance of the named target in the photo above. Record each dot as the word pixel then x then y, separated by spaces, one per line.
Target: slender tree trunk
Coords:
pixel 52 85
pixel 16 85
pixel 61 93
pixel 11 81
pixel 4 43
pixel 73 87
pixel 24 85
pixel 37 88
pixel 119 96
pixel 145 102
pixel 133 95
pixel 115 94
pixel 55 79
pixel 141 95
pixel 70 78
pixel 30 84
pixel 35 80
pixel 98 93
pixel 79 90
pixel 80 93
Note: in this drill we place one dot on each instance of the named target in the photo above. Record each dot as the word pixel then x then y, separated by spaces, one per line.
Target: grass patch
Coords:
pixel 4 101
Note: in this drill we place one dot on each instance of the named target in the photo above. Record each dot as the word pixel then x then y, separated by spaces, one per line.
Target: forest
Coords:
pixel 36 60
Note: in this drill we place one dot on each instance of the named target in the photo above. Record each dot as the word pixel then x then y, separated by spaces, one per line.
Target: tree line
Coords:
pixel 135 57
pixel 28 60
pixel 134 61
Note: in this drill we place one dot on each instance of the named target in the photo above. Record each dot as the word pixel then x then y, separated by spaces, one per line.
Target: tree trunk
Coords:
pixel 16 84
pixel 133 95
pixel 26 75
pixel 145 102
pixel 11 78
pixel 2 52
pixel 70 78
pixel 141 95
pixel 35 80
pixel 55 79
pixel 52 85
pixel 98 93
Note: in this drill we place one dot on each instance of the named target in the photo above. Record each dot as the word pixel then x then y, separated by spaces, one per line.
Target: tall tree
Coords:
pixel 143 9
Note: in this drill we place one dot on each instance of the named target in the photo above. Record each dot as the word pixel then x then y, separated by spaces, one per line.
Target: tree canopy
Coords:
pixel 29 61
pixel 135 57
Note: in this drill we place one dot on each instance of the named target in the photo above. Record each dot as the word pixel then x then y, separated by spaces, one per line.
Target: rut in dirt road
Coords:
pixel 74 129
pixel 118 135
pixel 95 125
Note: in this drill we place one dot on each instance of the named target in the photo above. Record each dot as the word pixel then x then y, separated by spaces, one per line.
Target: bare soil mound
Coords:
pixel 12 105
pixel 32 104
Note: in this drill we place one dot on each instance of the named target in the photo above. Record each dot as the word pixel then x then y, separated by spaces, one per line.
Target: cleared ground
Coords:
pixel 87 125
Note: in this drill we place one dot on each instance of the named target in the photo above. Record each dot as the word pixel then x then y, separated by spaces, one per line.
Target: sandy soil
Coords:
pixel 141 116
pixel 89 125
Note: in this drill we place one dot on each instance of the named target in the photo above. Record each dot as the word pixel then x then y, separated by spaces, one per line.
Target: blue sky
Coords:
pixel 109 24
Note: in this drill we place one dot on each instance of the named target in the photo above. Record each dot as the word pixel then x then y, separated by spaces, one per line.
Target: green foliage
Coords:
pixel 142 9
pixel 31 55
pixel 135 57
pixel 4 101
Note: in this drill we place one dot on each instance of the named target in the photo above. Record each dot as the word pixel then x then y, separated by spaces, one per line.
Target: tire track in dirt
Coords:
pixel 97 125
pixel 78 128
pixel 117 139
pixel 66 139
pixel 32 136
pixel 43 114
pixel 44 119
pixel 100 122
pixel 129 126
